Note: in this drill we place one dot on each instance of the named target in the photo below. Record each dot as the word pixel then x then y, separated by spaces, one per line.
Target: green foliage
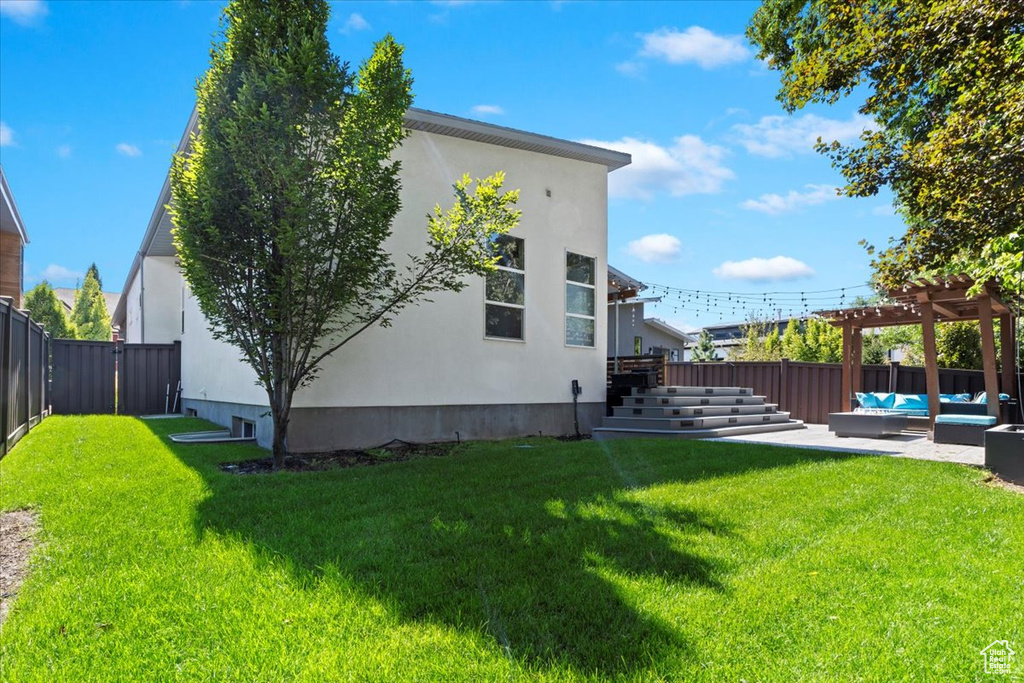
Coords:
pixel 704 350
pixel 95 272
pixel 288 193
pixel 958 345
pixel 48 311
pixel 1001 261
pixel 761 342
pixel 89 314
pixel 942 79
pixel 814 341
pixel 874 350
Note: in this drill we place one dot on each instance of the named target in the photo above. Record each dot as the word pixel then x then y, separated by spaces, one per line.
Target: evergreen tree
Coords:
pixel 48 311
pixel 95 272
pixel 793 346
pixel 705 349
pixel 89 315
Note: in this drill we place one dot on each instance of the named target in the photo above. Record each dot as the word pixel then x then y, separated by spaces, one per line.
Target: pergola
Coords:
pixel 926 302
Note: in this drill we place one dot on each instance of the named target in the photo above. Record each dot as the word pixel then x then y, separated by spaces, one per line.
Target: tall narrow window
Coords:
pixel 505 291
pixel 579 300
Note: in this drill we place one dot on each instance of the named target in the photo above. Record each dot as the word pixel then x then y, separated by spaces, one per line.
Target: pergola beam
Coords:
pixel 931 366
pixel 988 355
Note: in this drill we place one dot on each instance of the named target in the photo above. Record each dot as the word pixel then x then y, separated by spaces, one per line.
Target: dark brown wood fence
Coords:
pixel 147 378
pixel 83 377
pixel 810 391
pixel 24 374
pixel 91 377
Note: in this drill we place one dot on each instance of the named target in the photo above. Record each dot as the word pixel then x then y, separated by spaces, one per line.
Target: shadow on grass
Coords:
pixel 529 546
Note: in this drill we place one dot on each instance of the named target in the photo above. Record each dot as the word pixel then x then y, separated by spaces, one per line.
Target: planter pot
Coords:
pixel 1004 452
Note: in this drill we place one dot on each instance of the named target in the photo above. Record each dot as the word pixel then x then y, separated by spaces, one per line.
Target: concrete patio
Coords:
pixel 907 444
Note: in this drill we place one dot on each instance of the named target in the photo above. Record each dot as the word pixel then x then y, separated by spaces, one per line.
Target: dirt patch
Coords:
pixel 993 480
pixel 17 538
pixel 395 451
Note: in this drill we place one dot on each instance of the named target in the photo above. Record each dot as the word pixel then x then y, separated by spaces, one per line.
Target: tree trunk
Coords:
pixel 280 410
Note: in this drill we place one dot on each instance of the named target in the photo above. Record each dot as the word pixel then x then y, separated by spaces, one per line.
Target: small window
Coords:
pixel 580 310
pixel 505 290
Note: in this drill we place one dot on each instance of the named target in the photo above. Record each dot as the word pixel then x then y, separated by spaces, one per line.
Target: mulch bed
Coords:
pixel 17 538
pixel 395 451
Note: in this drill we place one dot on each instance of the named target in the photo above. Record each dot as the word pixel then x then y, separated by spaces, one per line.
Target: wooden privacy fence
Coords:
pixel 91 377
pixel 810 391
pixel 24 374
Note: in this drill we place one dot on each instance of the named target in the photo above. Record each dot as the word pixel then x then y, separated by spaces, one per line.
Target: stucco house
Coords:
pixel 630 331
pixel 462 365
pixel 13 239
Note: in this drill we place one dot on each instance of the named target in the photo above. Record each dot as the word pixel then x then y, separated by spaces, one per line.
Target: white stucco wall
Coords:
pixel 162 293
pixel 132 332
pixel 436 354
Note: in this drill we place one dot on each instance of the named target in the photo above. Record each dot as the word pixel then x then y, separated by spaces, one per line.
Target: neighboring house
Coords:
pixel 630 333
pixel 729 336
pixel 442 369
pixel 13 239
pixel 66 296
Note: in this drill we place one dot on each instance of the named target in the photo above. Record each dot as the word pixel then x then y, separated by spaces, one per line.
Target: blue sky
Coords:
pixel 725 192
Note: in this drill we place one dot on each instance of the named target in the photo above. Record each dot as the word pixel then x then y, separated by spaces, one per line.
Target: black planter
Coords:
pixel 1004 452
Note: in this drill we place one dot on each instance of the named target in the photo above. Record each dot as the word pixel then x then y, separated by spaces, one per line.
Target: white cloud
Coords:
pixel 689 166
pixel 6 135
pixel 630 68
pixel 64 151
pixel 774 204
pixel 783 136
pixel 660 248
pixel 764 270
pixel 485 109
pixel 59 274
pixel 128 150
pixel 696 45
pixel 355 22
pixel 24 12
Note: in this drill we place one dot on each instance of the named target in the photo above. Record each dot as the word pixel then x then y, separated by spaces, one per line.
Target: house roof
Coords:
pixel 10 218
pixel 157 240
pixel 663 326
pixel 66 295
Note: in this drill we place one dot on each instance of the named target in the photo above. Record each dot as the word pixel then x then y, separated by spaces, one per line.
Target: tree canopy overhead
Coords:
pixel 943 80
pixel 283 203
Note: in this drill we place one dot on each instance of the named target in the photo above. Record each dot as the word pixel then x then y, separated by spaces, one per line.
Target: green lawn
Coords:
pixel 561 561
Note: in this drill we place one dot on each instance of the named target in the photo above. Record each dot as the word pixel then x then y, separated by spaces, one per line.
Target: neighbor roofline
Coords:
pixel 8 196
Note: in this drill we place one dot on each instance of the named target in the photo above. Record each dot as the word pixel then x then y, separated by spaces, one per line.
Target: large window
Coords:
pixel 505 292
pixel 579 300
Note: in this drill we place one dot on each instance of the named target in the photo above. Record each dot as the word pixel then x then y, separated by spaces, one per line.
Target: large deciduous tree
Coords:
pixel 943 80
pixel 282 204
pixel 44 307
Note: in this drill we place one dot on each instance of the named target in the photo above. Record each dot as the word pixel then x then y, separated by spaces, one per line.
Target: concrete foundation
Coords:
pixel 324 429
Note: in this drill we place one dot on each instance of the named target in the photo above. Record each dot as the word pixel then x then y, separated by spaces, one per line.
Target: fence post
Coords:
pixel 894 371
pixel 28 372
pixel 783 383
pixel 5 373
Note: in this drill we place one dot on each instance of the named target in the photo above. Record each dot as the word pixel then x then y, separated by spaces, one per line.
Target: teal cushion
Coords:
pixel 885 401
pixel 911 402
pixel 951 419
pixel 867 400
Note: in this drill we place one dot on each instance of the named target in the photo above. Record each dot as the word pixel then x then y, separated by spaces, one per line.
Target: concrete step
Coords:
pixel 670 423
pixel 609 433
pixel 705 411
pixel 692 401
pixel 693 391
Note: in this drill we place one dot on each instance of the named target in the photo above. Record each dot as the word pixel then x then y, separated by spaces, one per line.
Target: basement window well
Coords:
pixel 242 428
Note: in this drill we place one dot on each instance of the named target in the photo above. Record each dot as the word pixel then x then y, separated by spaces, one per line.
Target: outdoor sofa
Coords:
pixel 880 414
